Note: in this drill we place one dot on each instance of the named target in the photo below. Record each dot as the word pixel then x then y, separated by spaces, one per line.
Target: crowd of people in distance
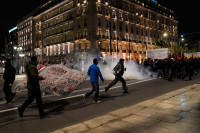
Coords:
pixel 171 68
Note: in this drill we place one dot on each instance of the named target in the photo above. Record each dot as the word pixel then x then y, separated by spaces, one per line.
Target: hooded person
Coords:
pixel 9 78
pixel 118 72
pixel 33 87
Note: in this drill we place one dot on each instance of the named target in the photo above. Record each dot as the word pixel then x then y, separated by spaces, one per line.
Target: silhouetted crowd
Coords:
pixel 172 68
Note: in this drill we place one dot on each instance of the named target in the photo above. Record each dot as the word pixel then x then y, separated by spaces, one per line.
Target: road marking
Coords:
pixel 110 89
pixel 15 108
pixel 6 110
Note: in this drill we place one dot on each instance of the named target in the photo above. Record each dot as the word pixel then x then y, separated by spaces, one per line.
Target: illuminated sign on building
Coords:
pixel 12 29
pixel 155 1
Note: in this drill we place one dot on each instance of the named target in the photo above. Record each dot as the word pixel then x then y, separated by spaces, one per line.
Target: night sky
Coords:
pixel 13 10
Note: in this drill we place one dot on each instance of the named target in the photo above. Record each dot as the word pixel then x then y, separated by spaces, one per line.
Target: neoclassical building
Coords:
pixel 123 28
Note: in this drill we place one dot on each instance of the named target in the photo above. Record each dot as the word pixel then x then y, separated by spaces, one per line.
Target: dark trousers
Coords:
pixel 95 88
pixel 187 73
pixel 160 73
pixel 118 78
pixel 7 91
pixel 31 95
pixel 171 74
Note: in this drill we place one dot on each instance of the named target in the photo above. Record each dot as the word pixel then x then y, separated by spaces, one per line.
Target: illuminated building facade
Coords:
pixel 11 42
pixel 124 28
pixel 25 35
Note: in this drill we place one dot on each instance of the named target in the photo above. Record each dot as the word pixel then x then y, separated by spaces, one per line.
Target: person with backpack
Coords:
pixel 9 77
pixel 33 87
pixel 118 72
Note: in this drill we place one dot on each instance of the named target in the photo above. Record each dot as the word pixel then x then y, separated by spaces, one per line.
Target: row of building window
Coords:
pixel 147 24
pixel 25 25
pixel 133 16
pixel 25 37
pixel 58 29
pixel 57 11
pixel 58 20
pixel 65 37
pixel 130 7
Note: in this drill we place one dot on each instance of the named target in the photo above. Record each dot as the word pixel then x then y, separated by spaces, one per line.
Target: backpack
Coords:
pixel 115 69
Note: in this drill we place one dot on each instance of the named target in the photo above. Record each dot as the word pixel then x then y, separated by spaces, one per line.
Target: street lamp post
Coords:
pixel 165 36
pixel 110 39
pixel 117 48
pixel 110 29
pixel 129 51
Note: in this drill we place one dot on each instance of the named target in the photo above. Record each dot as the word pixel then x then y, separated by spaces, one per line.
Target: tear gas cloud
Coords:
pixel 133 70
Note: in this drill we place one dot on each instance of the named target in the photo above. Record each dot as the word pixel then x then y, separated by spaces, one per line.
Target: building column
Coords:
pixel 92 27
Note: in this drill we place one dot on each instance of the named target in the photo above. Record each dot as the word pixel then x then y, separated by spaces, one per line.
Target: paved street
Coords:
pixel 152 105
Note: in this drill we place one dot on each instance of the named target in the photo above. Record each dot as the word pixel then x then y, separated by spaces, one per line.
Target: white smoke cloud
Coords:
pixel 133 70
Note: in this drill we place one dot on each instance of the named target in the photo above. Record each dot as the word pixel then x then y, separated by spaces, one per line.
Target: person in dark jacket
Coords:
pixel 94 73
pixel 118 72
pixel 9 77
pixel 33 87
pixel 188 69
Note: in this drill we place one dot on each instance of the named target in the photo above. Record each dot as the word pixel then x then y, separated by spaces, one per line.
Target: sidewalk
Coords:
pixel 174 112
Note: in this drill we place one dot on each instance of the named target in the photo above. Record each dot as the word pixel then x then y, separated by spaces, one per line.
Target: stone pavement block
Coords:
pixel 136 108
pixel 156 130
pixel 73 129
pixel 162 98
pixel 194 130
pixel 183 107
pixel 193 104
pixel 195 110
pixel 184 114
pixel 195 85
pixel 166 117
pixel 122 126
pixel 147 112
pixel 197 88
pixel 140 120
pixel 103 129
pixel 165 110
pixel 164 127
pixel 190 94
pixel 173 93
pixel 196 98
pixel 165 105
pixel 172 101
pixel 189 122
pixel 123 112
pixel 185 89
pixel 149 102
pixel 93 123
pixel 182 97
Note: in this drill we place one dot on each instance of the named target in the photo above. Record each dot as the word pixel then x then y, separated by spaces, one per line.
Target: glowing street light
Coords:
pixel 165 34
pixel 21 55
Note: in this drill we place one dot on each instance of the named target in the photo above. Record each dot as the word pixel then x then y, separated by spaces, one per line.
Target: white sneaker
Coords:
pixel 97 101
